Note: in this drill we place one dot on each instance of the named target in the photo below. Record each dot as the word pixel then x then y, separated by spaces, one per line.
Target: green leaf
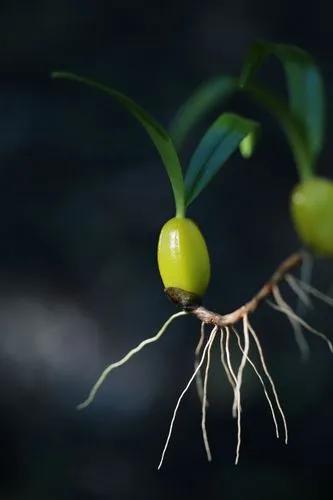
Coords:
pixel 294 131
pixel 203 100
pixel 304 83
pixel 158 135
pixel 217 145
pixel 295 134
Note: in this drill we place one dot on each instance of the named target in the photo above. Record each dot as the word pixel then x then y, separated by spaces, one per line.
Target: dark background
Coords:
pixel 83 196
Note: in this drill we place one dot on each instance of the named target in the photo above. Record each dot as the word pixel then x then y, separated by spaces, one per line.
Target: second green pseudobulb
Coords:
pixel 312 214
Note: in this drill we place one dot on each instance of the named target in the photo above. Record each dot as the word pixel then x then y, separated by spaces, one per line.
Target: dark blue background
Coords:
pixel 83 196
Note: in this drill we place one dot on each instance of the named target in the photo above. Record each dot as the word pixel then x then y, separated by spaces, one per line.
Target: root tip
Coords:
pixel 82 406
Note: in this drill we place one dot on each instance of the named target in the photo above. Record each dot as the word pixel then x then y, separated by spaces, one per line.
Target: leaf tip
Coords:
pixel 244 79
pixel 248 145
pixel 55 74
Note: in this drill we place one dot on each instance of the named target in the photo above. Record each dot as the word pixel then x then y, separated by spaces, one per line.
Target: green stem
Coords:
pixel 180 209
pixel 181 215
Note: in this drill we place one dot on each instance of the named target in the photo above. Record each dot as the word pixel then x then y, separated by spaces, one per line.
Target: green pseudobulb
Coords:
pixel 312 214
pixel 183 258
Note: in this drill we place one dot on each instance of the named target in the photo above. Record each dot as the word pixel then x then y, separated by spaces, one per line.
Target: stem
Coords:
pixel 180 207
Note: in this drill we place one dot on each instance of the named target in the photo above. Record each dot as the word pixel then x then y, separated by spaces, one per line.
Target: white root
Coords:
pixel 198 378
pixel 204 399
pixel 201 340
pixel 227 350
pixel 126 358
pixel 262 383
pixel 300 338
pixel 223 361
pixel 297 329
pixel 298 290
pixel 284 308
pixel 313 291
pixel 239 384
pixel 264 366
pixel 207 346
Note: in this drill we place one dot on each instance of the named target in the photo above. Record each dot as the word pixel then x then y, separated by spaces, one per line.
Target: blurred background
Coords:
pixel 83 196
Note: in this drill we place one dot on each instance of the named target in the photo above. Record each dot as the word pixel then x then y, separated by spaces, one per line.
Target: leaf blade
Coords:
pixel 220 141
pixel 304 84
pixel 160 138
pixel 290 126
pixel 200 103
pixel 306 93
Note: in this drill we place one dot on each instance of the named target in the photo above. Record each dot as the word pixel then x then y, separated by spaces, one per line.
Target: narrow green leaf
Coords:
pixel 293 129
pixel 294 133
pixel 203 100
pixel 304 83
pixel 216 146
pixel 158 135
pixel 255 58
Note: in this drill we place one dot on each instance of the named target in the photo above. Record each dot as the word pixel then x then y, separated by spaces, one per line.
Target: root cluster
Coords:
pixel 223 327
